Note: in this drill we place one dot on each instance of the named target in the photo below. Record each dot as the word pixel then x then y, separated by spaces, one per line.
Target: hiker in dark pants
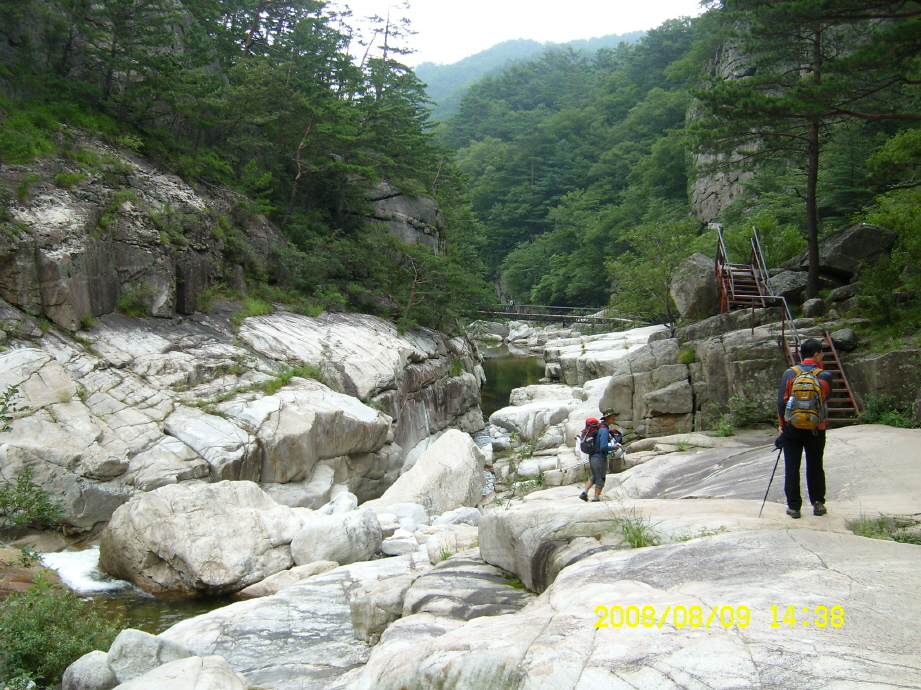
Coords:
pixel 605 441
pixel 795 440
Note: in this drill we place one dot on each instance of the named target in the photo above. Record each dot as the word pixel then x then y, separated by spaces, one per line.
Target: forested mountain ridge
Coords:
pixel 581 167
pixel 262 98
pixel 446 84
pixel 563 179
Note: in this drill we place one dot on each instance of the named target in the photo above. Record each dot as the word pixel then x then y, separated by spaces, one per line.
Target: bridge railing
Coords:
pixel 538 312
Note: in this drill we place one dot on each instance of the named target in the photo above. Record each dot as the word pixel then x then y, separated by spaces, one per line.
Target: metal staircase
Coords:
pixel 744 286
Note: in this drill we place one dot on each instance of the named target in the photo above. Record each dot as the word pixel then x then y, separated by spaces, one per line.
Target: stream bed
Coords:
pixel 125 605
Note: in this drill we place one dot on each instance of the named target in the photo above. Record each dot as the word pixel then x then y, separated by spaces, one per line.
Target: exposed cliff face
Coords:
pixel 738 363
pixel 412 218
pixel 83 235
pixel 714 188
pixel 131 404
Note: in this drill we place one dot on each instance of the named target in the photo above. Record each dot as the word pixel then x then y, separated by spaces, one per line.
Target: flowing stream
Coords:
pixel 127 606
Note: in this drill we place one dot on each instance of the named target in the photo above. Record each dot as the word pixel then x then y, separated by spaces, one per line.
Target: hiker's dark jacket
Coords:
pixel 606 440
pixel 786 387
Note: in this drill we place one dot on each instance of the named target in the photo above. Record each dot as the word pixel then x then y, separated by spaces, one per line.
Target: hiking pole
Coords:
pixel 770 481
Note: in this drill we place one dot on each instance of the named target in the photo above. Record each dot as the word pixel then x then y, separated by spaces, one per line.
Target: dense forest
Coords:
pixel 447 84
pixel 580 168
pixel 565 179
pixel 265 98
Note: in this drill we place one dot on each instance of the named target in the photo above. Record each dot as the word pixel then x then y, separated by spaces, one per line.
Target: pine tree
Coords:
pixel 812 64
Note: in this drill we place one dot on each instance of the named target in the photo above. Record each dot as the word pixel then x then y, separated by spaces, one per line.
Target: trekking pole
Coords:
pixel 779 451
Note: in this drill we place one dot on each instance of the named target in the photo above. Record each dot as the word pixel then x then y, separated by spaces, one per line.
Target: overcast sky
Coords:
pixel 450 30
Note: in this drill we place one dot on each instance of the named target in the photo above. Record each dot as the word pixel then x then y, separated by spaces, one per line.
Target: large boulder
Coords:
pixel 343 537
pixel 90 672
pixel 695 288
pixel 135 652
pixel 842 253
pixel 895 376
pixel 577 360
pixel 193 673
pixel 531 420
pixel 302 637
pixel 199 539
pixel 407 375
pixel 299 426
pixel 448 475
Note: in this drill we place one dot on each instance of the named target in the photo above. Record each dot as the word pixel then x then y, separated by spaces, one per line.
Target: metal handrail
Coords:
pixel 758 250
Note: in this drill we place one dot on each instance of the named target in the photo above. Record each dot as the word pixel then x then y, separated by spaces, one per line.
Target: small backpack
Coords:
pixel 805 407
pixel 587 437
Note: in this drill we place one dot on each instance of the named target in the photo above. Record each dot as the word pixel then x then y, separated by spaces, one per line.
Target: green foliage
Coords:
pixel 134 303
pixel 888 527
pixel 305 371
pixel 45 629
pixel 7 408
pixel 750 407
pixel 252 306
pixel 821 118
pixel 24 188
pixel 643 275
pixel 880 410
pixel 687 356
pixel 23 503
pixel 457 368
pixel 67 180
pixel 638 531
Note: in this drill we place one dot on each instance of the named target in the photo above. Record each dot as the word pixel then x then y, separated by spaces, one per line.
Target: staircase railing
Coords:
pixel 791 349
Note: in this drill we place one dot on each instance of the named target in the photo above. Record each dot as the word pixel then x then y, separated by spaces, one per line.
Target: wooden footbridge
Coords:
pixel 747 286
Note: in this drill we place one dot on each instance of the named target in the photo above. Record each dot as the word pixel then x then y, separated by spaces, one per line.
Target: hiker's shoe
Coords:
pixel 795 514
pixel 818 508
pixel 584 495
pixel 595 499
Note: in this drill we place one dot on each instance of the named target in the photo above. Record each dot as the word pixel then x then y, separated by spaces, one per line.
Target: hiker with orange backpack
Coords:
pixel 597 440
pixel 801 409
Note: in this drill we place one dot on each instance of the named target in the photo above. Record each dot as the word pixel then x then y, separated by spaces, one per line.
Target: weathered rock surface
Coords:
pixel 126 408
pixel 893 375
pixel 695 289
pixel 412 218
pixel 448 475
pixel 299 639
pixel 195 539
pixel 532 420
pixel 134 653
pixel 375 606
pixel 576 360
pixel 707 560
pixel 843 252
pixel 554 642
pixel 279 581
pixel 344 538
pixel 194 673
pixel 465 587
pixel 90 672
pixel 870 469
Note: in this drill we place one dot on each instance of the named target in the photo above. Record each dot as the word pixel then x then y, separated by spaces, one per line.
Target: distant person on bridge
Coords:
pixel 801 410
pixel 597 442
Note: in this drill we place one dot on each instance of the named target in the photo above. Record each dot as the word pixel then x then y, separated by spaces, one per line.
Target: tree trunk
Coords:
pixel 812 216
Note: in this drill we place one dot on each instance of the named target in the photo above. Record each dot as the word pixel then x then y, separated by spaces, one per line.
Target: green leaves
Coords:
pixel 23 503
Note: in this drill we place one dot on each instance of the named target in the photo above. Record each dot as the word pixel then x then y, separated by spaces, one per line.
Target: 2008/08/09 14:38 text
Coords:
pixel 718 616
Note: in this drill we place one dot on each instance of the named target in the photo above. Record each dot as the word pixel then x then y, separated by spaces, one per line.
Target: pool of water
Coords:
pixel 505 372
pixel 121 602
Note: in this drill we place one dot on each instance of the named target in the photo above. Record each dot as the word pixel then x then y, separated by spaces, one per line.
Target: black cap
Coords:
pixel 608 412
